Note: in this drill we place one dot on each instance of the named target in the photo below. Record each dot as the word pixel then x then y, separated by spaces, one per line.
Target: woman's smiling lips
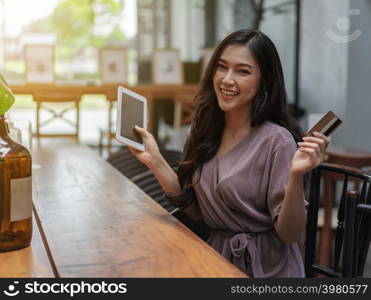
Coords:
pixel 228 94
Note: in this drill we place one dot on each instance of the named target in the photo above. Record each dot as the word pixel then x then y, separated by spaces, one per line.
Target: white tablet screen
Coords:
pixel 132 114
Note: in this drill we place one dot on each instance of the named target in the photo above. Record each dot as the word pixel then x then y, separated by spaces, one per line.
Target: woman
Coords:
pixel 242 162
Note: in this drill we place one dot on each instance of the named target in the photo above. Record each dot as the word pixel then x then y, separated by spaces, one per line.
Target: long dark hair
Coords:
pixel 269 104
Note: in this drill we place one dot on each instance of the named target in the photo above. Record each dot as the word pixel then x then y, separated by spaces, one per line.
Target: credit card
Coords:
pixel 327 125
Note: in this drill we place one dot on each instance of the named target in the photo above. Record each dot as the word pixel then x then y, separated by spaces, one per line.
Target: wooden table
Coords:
pixel 349 156
pixel 48 92
pixel 32 261
pixel 97 223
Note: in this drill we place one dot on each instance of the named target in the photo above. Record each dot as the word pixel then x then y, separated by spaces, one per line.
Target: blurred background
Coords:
pixel 323 45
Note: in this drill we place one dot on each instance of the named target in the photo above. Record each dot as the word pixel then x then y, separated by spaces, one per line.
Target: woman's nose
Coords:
pixel 228 78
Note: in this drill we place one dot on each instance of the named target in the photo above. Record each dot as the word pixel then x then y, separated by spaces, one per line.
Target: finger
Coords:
pixel 318 141
pixel 312 154
pixel 322 136
pixel 307 150
pixel 144 133
pixel 313 139
pixel 314 146
pixel 308 144
pixel 133 150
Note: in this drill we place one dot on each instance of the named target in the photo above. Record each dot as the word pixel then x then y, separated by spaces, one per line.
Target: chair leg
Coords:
pixel 30 136
pixel 177 114
pixel 326 232
pixel 311 228
pixel 109 143
pixel 350 257
pixel 325 246
pixel 100 146
pixel 38 107
pixel 78 121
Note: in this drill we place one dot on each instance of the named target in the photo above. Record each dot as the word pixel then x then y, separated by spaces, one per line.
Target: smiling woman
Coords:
pixel 242 170
pixel 236 80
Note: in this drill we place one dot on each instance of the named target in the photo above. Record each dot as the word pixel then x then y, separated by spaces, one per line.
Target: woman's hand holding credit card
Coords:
pixel 327 125
pixel 312 150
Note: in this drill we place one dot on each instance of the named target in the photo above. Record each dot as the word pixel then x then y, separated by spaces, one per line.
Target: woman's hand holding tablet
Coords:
pixel 131 112
pixel 151 156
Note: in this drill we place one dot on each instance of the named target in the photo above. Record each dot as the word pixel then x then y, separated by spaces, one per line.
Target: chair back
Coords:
pixel 184 108
pixel 125 162
pixel 344 156
pixel 358 234
pixel 347 174
pixel 47 98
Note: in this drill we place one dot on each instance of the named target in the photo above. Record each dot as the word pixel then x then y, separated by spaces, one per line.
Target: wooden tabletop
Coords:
pixel 97 223
pixel 32 261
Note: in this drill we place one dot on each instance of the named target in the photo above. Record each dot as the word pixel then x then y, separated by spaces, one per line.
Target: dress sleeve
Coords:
pixel 181 199
pixel 186 196
pixel 279 176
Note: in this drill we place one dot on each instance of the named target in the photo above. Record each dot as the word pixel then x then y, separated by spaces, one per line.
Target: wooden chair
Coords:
pixel 312 266
pixel 126 163
pixel 45 98
pixel 149 184
pixel 345 157
pixel 184 108
pixel 357 233
pixel 107 135
pixel 132 168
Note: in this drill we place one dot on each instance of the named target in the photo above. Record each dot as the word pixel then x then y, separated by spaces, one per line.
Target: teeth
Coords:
pixel 229 93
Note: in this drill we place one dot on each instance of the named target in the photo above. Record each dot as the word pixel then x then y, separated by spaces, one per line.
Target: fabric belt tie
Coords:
pixel 243 246
pixel 242 242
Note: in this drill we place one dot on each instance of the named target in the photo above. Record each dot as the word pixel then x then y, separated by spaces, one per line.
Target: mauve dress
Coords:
pixel 240 196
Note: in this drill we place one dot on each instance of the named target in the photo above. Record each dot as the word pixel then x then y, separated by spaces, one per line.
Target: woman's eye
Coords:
pixel 221 67
pixel 245 72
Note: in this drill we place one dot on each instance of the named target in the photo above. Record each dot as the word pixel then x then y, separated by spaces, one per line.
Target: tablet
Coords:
pixel 131 111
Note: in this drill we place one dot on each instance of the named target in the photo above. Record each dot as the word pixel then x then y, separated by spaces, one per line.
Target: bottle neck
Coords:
pixel 3 127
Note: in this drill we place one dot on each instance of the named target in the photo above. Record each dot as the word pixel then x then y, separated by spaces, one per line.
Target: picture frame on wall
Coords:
pixel 40 61
pixel 167 67
pixel 113 65
pixel 208 53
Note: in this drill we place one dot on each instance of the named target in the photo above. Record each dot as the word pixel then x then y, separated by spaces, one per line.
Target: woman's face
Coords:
pixel 236 79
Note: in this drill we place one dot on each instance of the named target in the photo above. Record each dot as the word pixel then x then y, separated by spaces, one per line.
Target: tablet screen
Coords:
pixel 132 114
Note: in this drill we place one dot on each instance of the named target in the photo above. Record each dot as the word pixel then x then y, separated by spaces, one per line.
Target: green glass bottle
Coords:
pixel 15 184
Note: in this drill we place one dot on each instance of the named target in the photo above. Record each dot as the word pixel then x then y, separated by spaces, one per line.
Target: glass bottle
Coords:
pixel 14 133
pixel 15 192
